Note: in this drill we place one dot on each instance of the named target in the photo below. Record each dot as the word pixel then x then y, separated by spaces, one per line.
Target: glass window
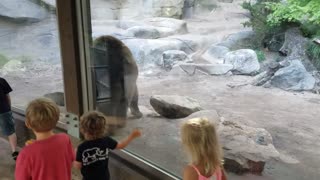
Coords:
pixel 29 50
pixel 202 58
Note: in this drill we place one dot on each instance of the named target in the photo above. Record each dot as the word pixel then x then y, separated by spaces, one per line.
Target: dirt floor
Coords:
pixel 290 117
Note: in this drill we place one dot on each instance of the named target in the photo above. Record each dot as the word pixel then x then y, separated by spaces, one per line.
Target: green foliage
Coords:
pixel 3 60
pixel 313 51
pixel 261 56
pixel 310 30
pixel 258 20
pixel 295 11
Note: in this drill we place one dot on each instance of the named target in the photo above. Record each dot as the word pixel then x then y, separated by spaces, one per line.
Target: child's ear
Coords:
pixel 27 124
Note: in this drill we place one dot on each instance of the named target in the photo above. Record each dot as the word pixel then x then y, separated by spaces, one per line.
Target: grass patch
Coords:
pixel 3 60
pixel 261 56
pixel 313 51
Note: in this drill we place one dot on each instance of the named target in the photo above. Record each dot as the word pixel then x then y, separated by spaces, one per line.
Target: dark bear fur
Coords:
pixel 123 73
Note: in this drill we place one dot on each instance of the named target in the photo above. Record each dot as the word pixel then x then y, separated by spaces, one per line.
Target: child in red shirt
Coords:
pixel 51 155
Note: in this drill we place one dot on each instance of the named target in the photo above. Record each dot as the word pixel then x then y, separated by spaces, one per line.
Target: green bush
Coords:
pixel 310 30
pixel 261 56
pixel 3 60
pixel 313 51
pixel 258 21
pixel 295 11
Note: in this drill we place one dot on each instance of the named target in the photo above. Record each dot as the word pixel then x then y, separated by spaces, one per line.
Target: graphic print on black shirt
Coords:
pixel 4 90
pixel 94 156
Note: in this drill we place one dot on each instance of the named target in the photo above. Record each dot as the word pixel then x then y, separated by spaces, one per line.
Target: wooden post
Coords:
pixel 69 45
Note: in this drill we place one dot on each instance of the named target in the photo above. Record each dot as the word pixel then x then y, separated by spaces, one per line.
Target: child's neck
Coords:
pixel 43 135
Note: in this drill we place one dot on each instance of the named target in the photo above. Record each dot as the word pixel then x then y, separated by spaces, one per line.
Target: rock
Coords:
pixel 215 54
pixel 150 51
pixel 294 47
pixel 50 5
pixel 293 77
pixel 205 6
pixel 208 69
pixel 126 24
pixel 264 77
pixel 246 149
pixel 178 26
pixel 13 66
pixel 194 42
pixel 275 42
pixel 165 26
pixel 21 11
pixel 189 68
pixel 188 9
pixel 240 40
pixel 173 56
pixel 163 8
pixel 57 97
pixel 215 69
pixel 143 32
pixel 244 61
pixel 50 2
pixel 173 106
pixel 226 1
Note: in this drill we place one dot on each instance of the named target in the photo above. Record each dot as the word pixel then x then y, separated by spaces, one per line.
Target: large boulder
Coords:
pixel 126 24
pixel 171 57
pixel 294 47
pixel 293 77
pixel 215 54
pixel 50 2
pixel 169 25
pixel 173 106
pixel 188 8
pixel 163 8
pixel 150 51
pixel 13 67
pixel 209 69
pixel 240 40
pixel 143 32
pixel 244 61
pixel 263 79
pixel 22 10
pixel 246 149
pixel 165 26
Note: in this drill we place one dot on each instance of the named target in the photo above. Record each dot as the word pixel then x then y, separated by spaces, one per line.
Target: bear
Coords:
pixel 123 75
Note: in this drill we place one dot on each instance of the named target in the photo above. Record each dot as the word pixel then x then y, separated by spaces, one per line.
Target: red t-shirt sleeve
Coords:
pixel 70 149
pixel 23 165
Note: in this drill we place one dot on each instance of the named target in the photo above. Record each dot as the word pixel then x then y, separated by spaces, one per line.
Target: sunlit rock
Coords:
pixel 173 106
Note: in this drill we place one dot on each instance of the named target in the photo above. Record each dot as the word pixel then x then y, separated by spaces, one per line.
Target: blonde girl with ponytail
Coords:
pixel 200 140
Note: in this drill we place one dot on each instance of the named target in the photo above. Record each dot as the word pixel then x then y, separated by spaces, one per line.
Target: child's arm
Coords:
pixel 77 164
pixel 124 143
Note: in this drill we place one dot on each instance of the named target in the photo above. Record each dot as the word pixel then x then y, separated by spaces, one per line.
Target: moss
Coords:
pixel 3 60
pixel 313 51
pixel 261 56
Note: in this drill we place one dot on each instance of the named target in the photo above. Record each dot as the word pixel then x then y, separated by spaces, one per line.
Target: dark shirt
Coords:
pixel 5 89
pixel 94 156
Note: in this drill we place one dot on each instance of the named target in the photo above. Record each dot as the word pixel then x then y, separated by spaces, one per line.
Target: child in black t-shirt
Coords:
pixel 92 154
pixel 6 119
